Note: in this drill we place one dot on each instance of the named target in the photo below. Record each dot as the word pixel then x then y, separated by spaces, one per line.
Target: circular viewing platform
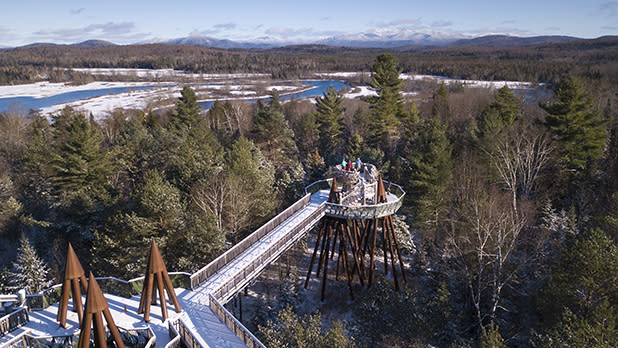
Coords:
pixel 357 197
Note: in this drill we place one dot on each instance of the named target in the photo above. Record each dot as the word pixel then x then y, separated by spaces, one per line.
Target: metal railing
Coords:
pixel 213 267
pixel 233 324
pixel 13 320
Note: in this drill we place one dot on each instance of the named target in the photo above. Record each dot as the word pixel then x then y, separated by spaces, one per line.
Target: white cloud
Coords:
pixel 116 32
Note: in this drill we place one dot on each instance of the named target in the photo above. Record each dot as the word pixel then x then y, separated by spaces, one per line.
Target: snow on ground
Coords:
pixel 361 91
pixel 164 73
pixel 341 74
pixel 47 89
pixel 469 83
pixel 124 312
pixel 103 105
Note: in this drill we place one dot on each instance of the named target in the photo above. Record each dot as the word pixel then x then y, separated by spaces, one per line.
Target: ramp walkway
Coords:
pixel 220 280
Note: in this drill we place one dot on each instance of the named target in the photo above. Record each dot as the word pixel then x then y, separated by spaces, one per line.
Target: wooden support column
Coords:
pixel 95 305
pixel 156 272
pixel 73 276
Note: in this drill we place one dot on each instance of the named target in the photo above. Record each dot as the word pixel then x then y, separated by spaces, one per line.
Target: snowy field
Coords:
pixel 446 80
pixel 209 87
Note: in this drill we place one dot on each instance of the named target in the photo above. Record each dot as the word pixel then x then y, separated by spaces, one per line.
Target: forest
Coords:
pixel 511 206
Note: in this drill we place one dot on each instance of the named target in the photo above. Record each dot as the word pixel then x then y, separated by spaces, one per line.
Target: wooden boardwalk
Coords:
pixel 237 273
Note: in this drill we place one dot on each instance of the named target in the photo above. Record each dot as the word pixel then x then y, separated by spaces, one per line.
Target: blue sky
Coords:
pixel 66 21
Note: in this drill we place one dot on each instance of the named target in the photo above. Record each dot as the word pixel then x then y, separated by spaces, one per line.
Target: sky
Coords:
pixel 132 21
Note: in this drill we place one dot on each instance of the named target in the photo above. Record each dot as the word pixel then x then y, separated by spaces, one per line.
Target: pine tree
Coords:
pixel 440 108
pixel 30 272
pixel 584 278
pixel 79 161
pixel 187 110
pixel 491 338
pixel 577 125
pixel 388 107
pixel 500 114
pixel 429 172
pixel 330 122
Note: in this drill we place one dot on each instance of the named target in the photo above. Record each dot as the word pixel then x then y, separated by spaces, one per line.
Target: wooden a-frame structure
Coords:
pixel 73 276
pixel 95 304
pixel 156 272
pixel 359 237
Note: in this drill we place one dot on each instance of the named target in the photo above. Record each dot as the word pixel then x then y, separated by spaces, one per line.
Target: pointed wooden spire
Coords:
pixel 381 192
pixel 73 276
pixel 156 272
pixel 333 196
pixel 95 304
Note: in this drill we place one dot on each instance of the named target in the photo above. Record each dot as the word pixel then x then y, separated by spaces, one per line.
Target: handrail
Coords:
pixel 215 265
pixel 234 324
pixel 254 267
pixel 315 186
pixel 174 335
pixel 367 211
pixel 19 341
pixel 186 334
pixel 38 301
pixel 13 320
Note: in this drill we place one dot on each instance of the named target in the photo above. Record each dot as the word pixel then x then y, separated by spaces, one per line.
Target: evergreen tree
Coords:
pixel 387 108
pixel 187 110
pixel 79 161
pixel 429 172
pixel 577 125
pixel 252 179
pixel 491 338
pixel 330 122
pixel 290 330
pixel 586 275
pixel 354 148
pixel 30 272
pixel 440 108
pixel 500 114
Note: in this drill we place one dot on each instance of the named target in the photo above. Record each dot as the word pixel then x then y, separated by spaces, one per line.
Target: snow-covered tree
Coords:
pixel 30 272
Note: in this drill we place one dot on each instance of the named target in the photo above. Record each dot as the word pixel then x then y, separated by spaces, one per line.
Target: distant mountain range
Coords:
pixel 376 39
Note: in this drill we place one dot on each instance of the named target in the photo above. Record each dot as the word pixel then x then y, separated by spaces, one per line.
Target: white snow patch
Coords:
pixel 363 91
pixel 165 73
pixel 341 74
pixel 469 83
pixel 47 89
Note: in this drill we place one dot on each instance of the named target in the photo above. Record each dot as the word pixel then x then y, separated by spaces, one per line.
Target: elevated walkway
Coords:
pixel 236 271
pixel 204 322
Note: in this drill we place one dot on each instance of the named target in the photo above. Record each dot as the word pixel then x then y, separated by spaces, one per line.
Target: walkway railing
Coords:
pixel 213 267
pixel 13 320
pixel 19 341
pixel 251 270
pixel 236 326
pixel 185 334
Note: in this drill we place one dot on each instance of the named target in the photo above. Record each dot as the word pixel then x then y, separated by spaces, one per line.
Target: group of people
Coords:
pixel 345 165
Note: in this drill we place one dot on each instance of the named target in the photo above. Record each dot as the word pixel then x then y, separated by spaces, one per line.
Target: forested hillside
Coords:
pixel 513 206
pixel 537 63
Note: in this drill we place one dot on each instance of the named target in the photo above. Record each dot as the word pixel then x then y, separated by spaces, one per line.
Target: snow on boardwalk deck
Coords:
pixel 198 316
